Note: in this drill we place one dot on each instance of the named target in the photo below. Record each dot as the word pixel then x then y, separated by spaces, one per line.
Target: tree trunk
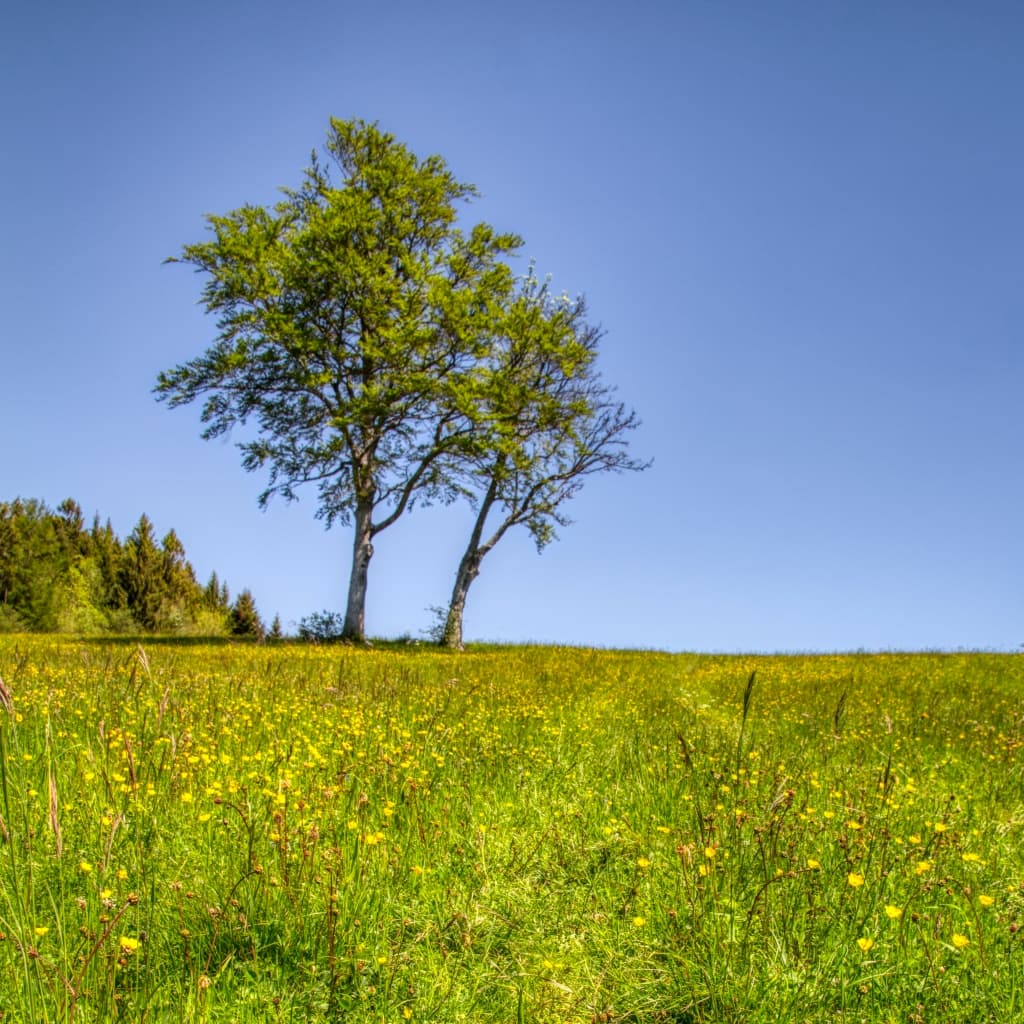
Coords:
pixel 469 569
pixel 362 552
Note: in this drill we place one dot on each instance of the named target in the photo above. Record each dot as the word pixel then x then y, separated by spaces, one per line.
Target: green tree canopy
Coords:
pixel 544 422
pixel 57 576
pixel 352 318
pixel 244 620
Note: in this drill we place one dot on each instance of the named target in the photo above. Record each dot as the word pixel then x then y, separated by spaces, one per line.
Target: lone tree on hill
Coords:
pixel 544 422
pixel 352 318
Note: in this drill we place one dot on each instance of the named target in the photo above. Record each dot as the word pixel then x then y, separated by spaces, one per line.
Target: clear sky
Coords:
pixel 800 224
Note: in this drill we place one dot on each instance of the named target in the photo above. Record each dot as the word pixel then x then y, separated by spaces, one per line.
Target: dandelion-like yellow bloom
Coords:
pixel 40 931
pixel 814 865
pixel 710 852
pixel 985 901
pixel 855 880
pixel 893 913
pixel 922 867
pixel 643 863
pixel 865 944
pixel 940 826
pixel 970 858
pixel 84 866
pixel 960 941
pixel 639 922
pixel 128 943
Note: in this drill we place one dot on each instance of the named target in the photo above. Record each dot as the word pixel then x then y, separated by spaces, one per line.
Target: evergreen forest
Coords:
pixel 58 575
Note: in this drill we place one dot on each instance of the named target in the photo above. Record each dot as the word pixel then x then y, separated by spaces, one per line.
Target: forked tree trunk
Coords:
pixel 362 551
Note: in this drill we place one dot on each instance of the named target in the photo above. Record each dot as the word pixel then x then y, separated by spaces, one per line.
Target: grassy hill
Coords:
pixel 285 833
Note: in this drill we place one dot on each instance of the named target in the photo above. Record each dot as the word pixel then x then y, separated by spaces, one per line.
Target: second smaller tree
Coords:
pixel 545 421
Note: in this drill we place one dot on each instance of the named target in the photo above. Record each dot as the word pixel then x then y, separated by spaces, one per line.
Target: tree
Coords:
pixel 142 575
pixel 32 561
pixel 109 556
pixel 181 593
pixel 544 422
pixel 215 597
pixel 244 619
pixel 351 320
pixel 57 576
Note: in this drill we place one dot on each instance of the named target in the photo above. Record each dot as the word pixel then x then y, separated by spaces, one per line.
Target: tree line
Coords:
pixel 58 575
pixel 374 348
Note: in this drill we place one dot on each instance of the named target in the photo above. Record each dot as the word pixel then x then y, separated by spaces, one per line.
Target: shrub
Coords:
pixel 322 627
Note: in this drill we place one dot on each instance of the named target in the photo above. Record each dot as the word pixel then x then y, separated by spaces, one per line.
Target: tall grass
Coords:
pixel 218 833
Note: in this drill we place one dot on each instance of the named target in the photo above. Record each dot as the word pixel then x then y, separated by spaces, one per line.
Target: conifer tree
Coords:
pixel 57 576
pixel 245 620
pixel 107 552
pixel 212 597
pixel 142 576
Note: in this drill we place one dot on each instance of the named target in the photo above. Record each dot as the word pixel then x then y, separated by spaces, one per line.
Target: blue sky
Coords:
pixel 800 225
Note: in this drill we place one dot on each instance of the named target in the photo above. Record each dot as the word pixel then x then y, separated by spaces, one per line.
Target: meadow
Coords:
pixel 234 833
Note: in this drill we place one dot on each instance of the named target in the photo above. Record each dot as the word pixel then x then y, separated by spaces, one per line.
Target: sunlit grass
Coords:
pixel 218 833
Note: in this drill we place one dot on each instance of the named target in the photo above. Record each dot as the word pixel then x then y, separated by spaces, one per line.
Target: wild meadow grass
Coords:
pixel 233 833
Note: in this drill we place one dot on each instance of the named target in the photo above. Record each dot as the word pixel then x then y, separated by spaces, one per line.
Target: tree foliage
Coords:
pixel 244 619
pixel 352 317
pixel 58 576
pixel 544 422
pixel 375 350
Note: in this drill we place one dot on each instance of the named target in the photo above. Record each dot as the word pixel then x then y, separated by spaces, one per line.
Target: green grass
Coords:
pixel 228 833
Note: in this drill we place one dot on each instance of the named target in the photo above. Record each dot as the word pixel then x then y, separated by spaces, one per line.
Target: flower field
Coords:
pixel 284 833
